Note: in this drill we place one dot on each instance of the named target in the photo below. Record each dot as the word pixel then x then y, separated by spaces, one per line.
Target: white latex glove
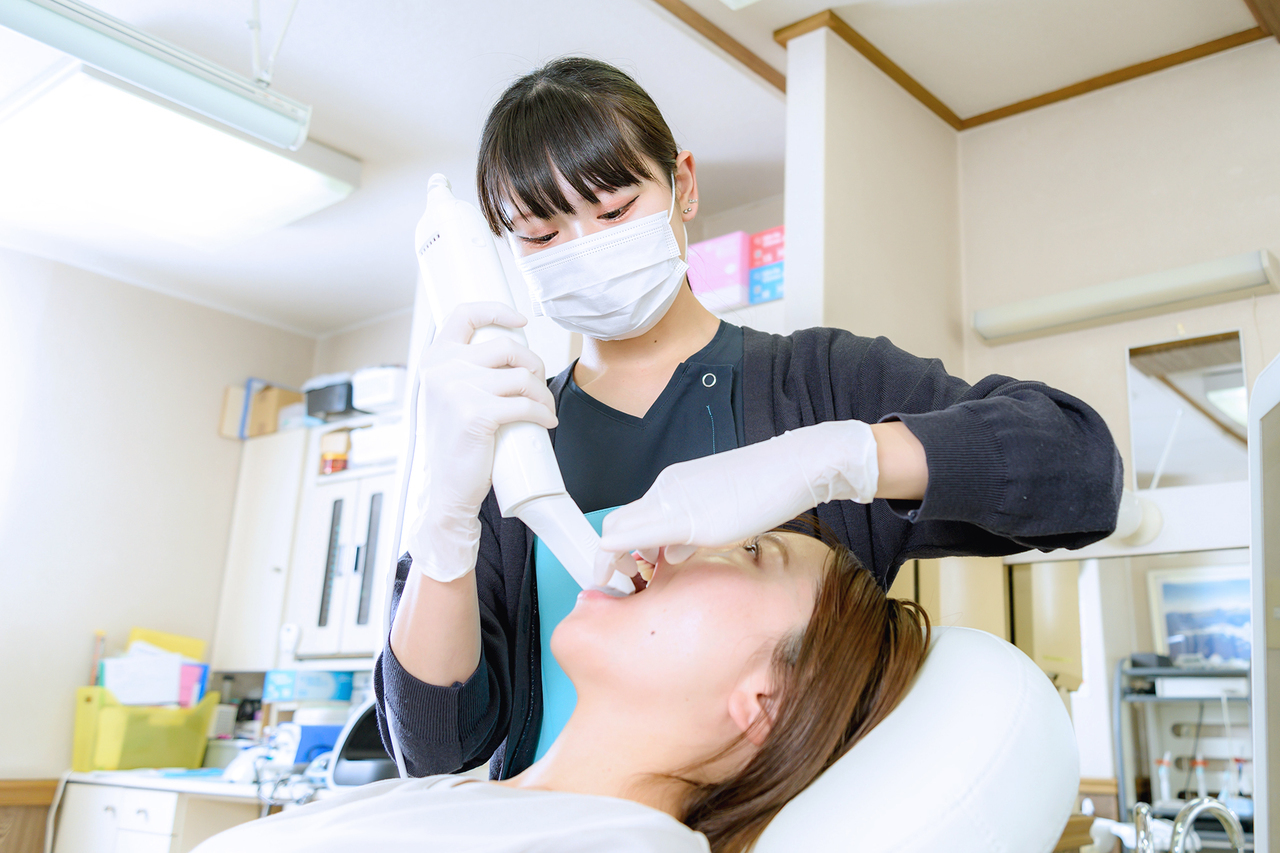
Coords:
pixel 727 497
pixel 467 392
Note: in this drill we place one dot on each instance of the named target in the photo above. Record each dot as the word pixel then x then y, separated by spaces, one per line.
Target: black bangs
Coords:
pixel 578 119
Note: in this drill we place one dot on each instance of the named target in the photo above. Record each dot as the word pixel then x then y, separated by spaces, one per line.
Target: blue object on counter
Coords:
pixel 315 740
pixel 196 773
pixel 290 685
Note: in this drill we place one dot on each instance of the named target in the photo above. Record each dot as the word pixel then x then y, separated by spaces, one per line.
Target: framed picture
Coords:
pixel 1200 617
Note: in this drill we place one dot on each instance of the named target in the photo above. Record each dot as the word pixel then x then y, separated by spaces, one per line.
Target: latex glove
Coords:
pixel 467 392
pixel 728 497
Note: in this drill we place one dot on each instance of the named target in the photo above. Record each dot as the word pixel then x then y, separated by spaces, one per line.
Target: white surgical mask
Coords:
pixel 614 284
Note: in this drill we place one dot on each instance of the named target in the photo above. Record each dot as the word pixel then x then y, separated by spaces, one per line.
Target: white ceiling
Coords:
pixel 977 55
pixel 404 86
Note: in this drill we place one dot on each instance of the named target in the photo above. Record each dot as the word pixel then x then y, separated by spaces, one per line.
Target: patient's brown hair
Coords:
pixel 838 679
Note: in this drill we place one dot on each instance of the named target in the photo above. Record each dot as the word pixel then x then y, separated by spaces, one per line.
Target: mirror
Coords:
pixel 1195 608
pixel 1188 412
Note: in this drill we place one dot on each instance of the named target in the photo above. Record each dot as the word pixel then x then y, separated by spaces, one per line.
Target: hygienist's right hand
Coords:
pixel 467 392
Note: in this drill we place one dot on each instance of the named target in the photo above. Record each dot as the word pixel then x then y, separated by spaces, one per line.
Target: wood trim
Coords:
pixel 1099 787
pixel 1167 346
pixel 1267 14
pixel 27 792
pixel 1121 76
pixel 694 19
pixel 854 39
pixel 1075 834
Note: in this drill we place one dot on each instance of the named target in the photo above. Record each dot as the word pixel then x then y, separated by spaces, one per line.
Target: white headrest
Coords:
pixel 979 757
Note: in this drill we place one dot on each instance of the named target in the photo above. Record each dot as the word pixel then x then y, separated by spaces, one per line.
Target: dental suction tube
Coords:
pixel 460 264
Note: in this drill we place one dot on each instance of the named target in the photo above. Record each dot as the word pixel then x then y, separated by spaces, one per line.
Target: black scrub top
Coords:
pixel 609 458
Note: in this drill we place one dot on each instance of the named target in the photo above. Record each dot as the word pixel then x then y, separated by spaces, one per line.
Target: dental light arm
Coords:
pixel 460 264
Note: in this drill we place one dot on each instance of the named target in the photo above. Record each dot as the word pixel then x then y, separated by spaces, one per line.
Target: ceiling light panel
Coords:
pixel 83 154
pixel 167 70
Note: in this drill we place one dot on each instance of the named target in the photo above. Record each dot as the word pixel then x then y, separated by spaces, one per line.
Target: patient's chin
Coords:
pixel 586 650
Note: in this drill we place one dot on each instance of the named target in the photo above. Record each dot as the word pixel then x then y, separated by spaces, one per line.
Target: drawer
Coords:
pixel 141 810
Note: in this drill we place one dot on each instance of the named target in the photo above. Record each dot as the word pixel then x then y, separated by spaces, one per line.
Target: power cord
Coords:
pixel 1195 747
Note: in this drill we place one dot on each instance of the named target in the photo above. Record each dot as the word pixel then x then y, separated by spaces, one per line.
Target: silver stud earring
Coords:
pixel 692 202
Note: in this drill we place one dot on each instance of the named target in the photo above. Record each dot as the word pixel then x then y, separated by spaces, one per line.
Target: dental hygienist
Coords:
pixel 706 431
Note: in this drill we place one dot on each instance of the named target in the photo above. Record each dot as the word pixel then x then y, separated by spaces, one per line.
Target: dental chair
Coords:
pixel 979 757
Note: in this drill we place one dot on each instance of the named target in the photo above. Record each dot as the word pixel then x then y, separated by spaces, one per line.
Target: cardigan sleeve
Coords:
pixel 455 728
pixel 1018 461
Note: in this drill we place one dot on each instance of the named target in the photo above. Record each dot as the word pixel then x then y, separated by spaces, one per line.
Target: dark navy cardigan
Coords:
pixel 1012 466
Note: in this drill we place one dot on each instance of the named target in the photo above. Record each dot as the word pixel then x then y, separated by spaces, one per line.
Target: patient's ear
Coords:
pixel 752 705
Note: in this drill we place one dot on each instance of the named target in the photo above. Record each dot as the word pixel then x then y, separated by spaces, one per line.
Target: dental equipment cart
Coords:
pixel 1163 723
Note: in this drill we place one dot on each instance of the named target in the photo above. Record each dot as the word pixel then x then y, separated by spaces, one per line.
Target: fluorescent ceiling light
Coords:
pixel 1225 391
pixel 1233 403
pixel 735 5
pixel 1200 284
pixel 83 154
pixel 161 68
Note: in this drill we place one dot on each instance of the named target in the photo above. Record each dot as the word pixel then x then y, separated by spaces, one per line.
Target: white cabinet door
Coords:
pixel 143 810
pixel 362 631
pixel 259 551
pixel 133 841
pixel 89 819
pixel 324 556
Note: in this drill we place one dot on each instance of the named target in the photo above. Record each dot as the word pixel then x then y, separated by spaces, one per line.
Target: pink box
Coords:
pixel 768 247
pixel 718 270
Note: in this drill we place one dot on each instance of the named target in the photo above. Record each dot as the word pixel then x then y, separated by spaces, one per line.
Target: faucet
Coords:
pixel 1142 824
pixel 1182 823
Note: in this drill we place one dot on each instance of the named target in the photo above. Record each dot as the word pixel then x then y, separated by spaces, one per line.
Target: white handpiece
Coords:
pixel 459 264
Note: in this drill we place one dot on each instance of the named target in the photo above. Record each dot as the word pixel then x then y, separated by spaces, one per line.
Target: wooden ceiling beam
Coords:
pixel 705 28
pixel 1114 77
pixel 1267 14
pixel 854 39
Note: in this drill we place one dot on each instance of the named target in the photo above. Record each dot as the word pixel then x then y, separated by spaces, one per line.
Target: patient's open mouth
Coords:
pixel 644 572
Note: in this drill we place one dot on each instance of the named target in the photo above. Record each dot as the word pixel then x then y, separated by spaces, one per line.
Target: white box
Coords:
pixel 1201 688
pixel 378 389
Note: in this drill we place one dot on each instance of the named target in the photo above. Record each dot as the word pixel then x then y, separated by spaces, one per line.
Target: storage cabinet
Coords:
pixel 308 557
pixel 259 552
pixel 342 555
pixel 111 819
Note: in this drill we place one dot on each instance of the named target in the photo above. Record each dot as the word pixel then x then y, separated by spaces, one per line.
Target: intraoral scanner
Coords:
pixel 459 263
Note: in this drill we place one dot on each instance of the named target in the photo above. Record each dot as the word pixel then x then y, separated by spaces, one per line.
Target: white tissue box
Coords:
pixel 1201 688
pixel 378 389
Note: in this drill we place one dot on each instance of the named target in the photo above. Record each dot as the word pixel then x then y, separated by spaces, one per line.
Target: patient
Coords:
pixel 705 703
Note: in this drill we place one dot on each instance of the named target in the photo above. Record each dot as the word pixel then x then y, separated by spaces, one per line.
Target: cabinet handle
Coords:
pixel 142 813
pixel 357 566
pixel 109 809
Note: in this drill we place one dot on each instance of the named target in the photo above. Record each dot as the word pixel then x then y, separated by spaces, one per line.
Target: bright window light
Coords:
pixel 83 154
pixel 1233 403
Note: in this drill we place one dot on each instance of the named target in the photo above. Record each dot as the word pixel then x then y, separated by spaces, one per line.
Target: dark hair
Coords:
pixel 838 678
pixel 578 118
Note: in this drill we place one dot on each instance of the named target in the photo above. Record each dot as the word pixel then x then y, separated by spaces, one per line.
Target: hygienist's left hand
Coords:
pixel 730 496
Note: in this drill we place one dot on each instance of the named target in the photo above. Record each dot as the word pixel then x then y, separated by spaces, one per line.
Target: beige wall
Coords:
pixel 872 204
pixel 115 489
pixel 757 216
pixel 381 341
pixel 1157 173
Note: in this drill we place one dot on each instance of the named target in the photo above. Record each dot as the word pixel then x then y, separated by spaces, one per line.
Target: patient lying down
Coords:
pixel 705 703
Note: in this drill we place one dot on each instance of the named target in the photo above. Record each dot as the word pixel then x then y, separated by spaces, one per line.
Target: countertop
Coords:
pixel 157 780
